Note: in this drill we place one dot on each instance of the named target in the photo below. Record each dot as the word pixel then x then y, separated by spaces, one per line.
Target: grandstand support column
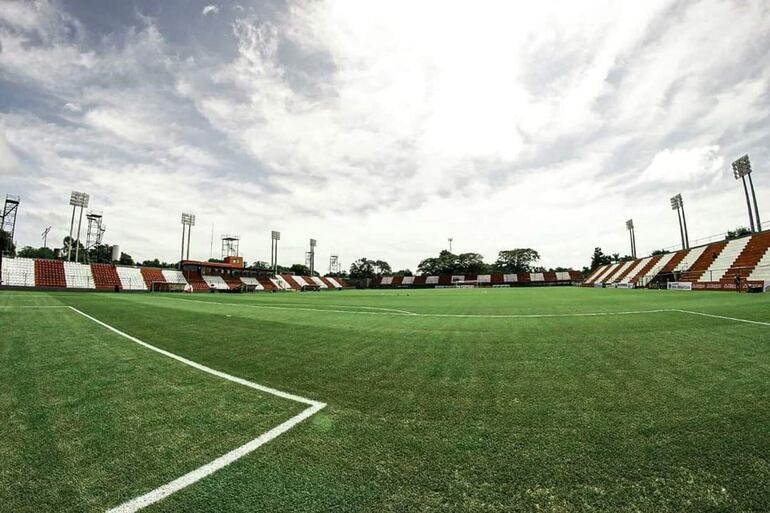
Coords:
pixel 189 229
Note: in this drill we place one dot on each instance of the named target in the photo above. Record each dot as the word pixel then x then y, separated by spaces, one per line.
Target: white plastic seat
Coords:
pixel 386 280
pixel 78 276
pixel 431 280
pixel 215 282
pixel 173 276
pixel 484 278
pixel 18 272
pixel 510 278
pixel 248 280
pixel 725 260
pixel 536 277
pixel 562 276
pixel 131 278
pixel 318 281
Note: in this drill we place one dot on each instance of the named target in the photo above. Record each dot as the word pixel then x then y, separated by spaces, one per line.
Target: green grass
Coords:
pixel 656 412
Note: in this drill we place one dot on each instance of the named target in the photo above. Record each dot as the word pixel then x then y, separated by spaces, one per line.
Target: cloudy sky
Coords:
pixel 383 128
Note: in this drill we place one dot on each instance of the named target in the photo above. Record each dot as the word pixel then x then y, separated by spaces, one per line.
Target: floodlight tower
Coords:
pixel 334 264
pixel 678 205
pixel 44 236
pixel 8 221
pixel 450 243
pixel 230 245
pixel 630 228
pixel 77 199
pixel 188 220
pixel 93 234
pixel 742 169
pixel 274 238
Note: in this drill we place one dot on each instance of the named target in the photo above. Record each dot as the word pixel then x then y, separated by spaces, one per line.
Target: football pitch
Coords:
pixel 461 400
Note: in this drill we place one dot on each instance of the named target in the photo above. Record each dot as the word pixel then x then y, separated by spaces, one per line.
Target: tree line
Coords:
pixel 516 260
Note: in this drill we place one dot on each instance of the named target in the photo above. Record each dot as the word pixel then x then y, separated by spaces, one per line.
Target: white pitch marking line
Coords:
pixel 209 468
pixel 723 317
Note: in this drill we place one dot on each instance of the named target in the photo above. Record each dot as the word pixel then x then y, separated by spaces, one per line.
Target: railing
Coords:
pixel 697 242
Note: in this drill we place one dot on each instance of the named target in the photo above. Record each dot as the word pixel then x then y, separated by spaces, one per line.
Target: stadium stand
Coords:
pixel 621 272
pixel 522 277
pixel 689 257
pixel 703 262
pixel 607 273
pixel 50 273
pixel 331 283
pixel 484 278
pixel 281 283
pixel 591 278
pixel 510 278
pixel 105 276
pixel 386 280
pixel 173 276
pixel 318 281
pixel 749 259
pixel 536 277
pixel 18 272
pixel 724 260
pixel 431 280
pixel 397 281
pixel 634 270
pixel 130 278
pixel 252 282
pixel 407 280
pixel 267 285
pixel 152 275
pixel 295 282
pixel 762 269
pixel 195 279
pixel 78 276
pixel 215 282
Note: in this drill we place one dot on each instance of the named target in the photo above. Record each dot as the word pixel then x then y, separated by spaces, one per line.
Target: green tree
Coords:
pixel 259 265
pixel 299 269
pixel 658 252
pixel 100 254
pixel 30 252
pixel 125 259
pixel 6 244
pixel 519 260
pixel 599 258
pixel 403 272
pixel 362 268
pixel 738 232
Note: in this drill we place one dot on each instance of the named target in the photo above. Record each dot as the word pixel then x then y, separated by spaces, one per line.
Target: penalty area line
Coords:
pixel 196 475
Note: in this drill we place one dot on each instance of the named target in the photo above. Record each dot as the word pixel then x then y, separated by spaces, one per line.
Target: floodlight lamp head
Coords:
pixel 312 243
pixel 188 219
pixel 742 167
pixel 630 224
pixel 79 199
pixel 276 235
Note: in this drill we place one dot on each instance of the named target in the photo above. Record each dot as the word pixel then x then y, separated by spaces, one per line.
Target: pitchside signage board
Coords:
pixel 679 285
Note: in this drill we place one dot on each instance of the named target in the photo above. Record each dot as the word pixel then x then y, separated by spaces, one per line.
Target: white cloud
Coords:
pixel 383 128
pixel 210 9
pixel 8 161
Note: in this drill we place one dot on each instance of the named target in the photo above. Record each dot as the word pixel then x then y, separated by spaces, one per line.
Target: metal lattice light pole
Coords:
pixel 741 170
